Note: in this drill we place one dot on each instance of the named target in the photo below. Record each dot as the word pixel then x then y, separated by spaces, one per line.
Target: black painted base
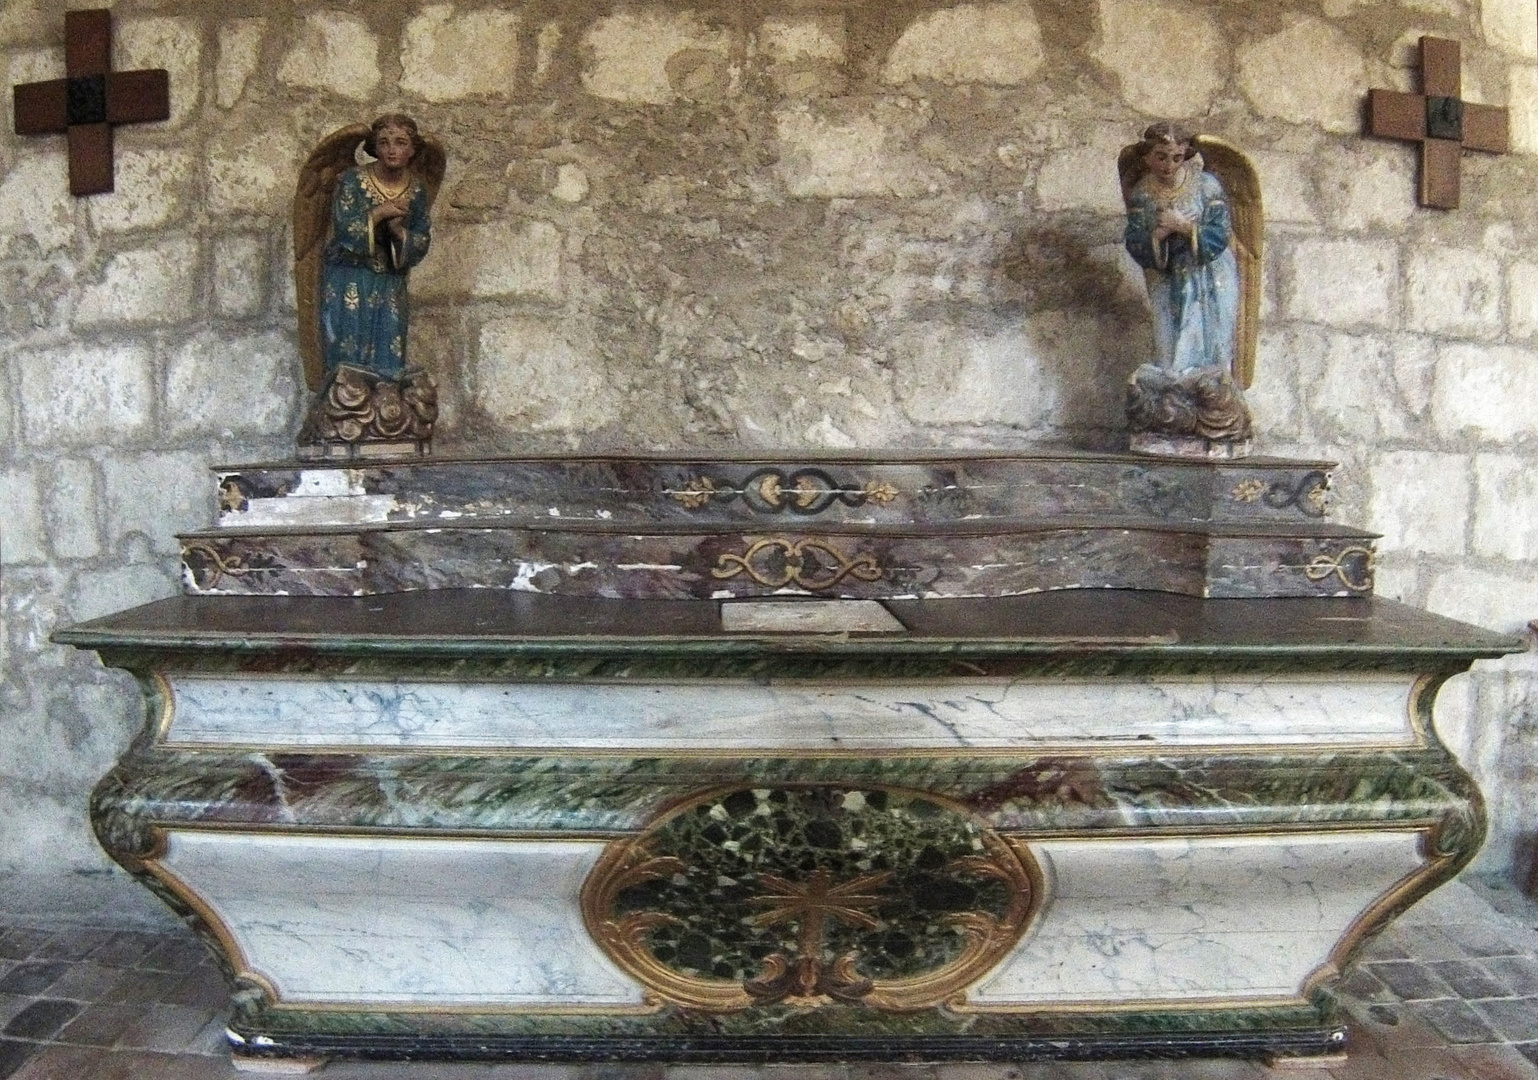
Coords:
pixel 1313 1042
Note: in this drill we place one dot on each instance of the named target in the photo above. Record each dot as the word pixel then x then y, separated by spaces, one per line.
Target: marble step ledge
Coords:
pixel 889 486
pixel 697 561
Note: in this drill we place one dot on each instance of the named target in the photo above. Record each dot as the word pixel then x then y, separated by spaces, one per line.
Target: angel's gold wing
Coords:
pixel 430 163
pixel 333 156
pixel 1240 180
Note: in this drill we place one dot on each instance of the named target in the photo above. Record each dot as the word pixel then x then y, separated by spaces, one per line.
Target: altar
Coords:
pixel 898 756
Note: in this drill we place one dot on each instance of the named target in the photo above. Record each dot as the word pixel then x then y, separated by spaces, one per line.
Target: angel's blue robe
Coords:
pixel 1193 282
pixel 364 309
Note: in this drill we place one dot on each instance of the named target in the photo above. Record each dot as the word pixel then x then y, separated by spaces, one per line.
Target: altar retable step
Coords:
pixel 906 525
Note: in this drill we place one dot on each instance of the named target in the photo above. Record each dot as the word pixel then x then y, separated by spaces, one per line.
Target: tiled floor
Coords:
pixel 1450 993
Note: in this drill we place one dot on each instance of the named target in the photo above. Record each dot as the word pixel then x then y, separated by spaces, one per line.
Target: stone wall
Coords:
pixel 778 223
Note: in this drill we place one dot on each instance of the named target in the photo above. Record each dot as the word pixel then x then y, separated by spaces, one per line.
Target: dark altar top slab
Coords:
pixel 488 622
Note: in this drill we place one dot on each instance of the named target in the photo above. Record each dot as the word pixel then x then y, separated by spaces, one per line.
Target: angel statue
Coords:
pixel 1194 225
pixel 358 231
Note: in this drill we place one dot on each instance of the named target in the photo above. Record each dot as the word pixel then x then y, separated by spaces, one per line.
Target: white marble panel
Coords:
pixel 1131 920
pixel 412 921
pixel 981 713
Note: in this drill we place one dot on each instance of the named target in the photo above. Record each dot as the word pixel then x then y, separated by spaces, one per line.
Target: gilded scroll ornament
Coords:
pixel 810 564
pixel 810 897
pixel 1353 566
pixel 804 492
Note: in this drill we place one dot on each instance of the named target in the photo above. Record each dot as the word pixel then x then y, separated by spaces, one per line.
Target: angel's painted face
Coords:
pixel 394 147
pixel 1164 160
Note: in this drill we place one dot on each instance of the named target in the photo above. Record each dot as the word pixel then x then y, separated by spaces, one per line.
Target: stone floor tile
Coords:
pixel 1431 943
pixel 1389 945
pixel 1519 973
pixel 203 986
pixel 74 944
pixel 1485 939
pixel 17 944
pixel 1455 1019
pixel 1528 1050
pixel 101 1025
pixel 78 1063
pixel 127 948
pixel 177 954
pixel 1493 1063
pixel 10 1005
pixel 143 986
pixel 14 1054
pixel 1468 979
pixel 1516 1019
pixel 1410 981
pixel 33 977
pixel 1408 1063
pixel 736 1072
pixel 86 981
pixel 42 1019
pixel 212 1039
pixel 170 1028
pixel 1361 984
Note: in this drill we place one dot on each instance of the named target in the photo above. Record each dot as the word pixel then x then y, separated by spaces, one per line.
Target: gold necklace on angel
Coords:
pixel 377 187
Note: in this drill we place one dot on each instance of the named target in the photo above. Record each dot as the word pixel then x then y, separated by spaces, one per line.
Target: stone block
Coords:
pixel 1509 26
pixel 1420 501
pixel 805 53
pixel 1522 299
pixel 1273 397
pixel 500 258
pixel 1084 177
pixel 1308 73
pixel 1506 507
pixel 570 184
pixel 26 23
pixel 447 56
pixel 1487 391
pixel 73 506
pixel 1369 186
pixel 1349 384
pixel 1415 365
pixel 240 276
pixel 848 155
pixel 629 54
pixel 792 39
pixel 335 51
pixel 222 386
pixel 1285 187
pixel 145 286
pixel 22 531
pixel 103 592
pixel 169 42
pixel 546 42
pixel 84 395
pixel 529 376
pixel 1134 32
pixel 35 200
pixel 1343 282
pixel 251 167
pixel 1496 601
pixel 953 375
pixel 968 43
pixel 148 191
pixel 240 49
pixel 1455 291
pixel 157 495
pixel 1523 98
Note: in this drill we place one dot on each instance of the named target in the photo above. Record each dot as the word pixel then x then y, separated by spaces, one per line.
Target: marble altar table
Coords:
pixel 693 775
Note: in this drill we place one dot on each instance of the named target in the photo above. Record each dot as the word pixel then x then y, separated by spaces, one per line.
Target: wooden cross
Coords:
pixel 1440 121
pixel 93 98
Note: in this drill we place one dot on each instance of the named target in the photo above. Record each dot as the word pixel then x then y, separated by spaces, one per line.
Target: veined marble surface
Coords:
pixel 1131 920
pixel 280 711
pixel 381 920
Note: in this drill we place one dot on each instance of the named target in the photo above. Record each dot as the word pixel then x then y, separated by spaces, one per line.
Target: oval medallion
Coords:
pixel 809 897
